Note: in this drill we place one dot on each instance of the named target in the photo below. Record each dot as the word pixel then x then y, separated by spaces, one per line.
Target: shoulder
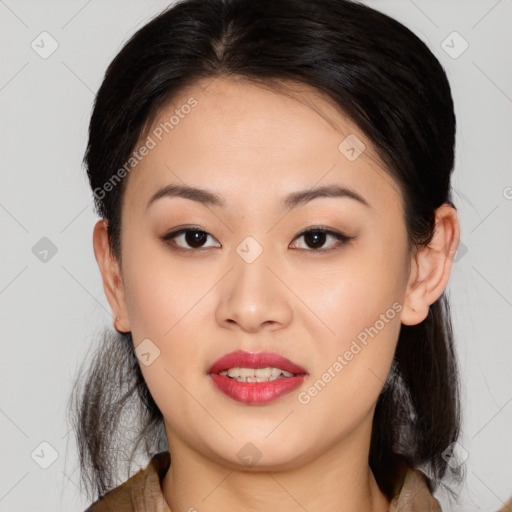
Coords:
pixel 142 491
pixel 507 507
pixel 413 492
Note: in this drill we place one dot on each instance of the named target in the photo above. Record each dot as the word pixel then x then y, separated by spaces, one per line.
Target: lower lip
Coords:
pixel 256 392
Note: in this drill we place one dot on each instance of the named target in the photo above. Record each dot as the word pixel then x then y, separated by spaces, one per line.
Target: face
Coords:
pixel 257 273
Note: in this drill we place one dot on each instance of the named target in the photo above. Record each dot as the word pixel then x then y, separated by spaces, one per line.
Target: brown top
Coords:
pixel 507 507
pixel 143 492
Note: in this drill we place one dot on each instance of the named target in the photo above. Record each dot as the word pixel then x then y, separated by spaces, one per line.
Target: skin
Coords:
pixel 252 145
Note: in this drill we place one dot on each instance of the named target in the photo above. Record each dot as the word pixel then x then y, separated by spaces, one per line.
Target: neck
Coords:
pixel 337 479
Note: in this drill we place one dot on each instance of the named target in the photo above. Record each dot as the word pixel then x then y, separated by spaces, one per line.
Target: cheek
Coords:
pixel 360 303
pixel 159 292
pixel 162 306
pixel 352 365
pixel 169 305
pixel 352 292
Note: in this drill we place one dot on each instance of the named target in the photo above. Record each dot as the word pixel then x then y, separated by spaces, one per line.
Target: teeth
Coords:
pixel 256 374
pixel 256 379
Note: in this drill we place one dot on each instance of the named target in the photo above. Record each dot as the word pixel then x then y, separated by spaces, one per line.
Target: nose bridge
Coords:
pixel 250 250
pixel 251 274
pixel 252 296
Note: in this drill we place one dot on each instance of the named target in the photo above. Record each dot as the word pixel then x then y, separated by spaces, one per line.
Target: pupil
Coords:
pixel 192 239
pixel 316 236
pixel 197 238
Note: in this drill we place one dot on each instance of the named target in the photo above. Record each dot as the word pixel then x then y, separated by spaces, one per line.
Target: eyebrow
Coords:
pixel 290 201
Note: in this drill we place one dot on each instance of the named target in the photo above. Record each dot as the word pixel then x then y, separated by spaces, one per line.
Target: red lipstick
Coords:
pixel 256 392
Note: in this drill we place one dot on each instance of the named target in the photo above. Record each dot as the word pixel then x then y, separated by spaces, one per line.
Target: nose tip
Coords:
pixel 254 299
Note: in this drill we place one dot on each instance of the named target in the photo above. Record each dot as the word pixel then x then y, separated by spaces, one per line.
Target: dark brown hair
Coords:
pixel 389 83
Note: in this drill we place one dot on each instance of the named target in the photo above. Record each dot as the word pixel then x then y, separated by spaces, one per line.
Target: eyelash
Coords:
pixel 340 237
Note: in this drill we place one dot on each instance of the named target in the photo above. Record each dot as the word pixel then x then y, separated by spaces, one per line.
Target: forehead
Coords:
pixel 251 141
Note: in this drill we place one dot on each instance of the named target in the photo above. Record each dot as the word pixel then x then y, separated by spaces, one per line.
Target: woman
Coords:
pixel 276 236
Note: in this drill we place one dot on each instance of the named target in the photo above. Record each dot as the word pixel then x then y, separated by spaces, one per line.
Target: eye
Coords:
pixel 316 237
pixel 195 237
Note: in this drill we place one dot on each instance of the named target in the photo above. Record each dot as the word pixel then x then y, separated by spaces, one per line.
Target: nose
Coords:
pixel 254 296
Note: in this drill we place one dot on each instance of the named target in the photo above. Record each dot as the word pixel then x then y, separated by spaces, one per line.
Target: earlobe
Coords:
pixel 431 266
pixel 111 276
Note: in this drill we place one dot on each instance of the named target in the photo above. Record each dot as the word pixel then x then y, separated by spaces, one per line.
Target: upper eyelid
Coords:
pixel 341 237
pixel 182 231
pixel 324 229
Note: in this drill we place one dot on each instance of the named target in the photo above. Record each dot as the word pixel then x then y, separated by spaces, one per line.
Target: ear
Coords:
pixel 111 275
pixel 431 266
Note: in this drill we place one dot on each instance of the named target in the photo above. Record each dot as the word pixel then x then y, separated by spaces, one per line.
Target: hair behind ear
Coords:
pixel 418 412
pixel 113 414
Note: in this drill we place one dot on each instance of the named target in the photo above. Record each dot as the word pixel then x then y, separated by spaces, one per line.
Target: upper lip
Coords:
pixel 242 359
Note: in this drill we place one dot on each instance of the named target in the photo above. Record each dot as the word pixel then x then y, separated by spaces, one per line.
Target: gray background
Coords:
pixel 52 311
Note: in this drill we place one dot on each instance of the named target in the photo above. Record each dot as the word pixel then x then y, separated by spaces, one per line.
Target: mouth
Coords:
pixel 260 365
pixel 255 378
pixel 267 374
